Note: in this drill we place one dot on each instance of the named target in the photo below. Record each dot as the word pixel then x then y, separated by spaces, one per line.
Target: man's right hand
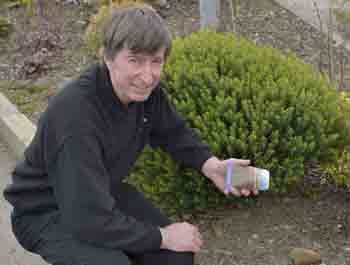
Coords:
pixel 181 237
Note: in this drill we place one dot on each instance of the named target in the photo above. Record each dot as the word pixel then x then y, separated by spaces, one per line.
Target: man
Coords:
pixel 71 205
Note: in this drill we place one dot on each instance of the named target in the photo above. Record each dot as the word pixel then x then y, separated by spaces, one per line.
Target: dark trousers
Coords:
pixel 60 248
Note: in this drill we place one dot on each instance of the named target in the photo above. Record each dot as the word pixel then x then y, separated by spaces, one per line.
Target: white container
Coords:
pixel 246 176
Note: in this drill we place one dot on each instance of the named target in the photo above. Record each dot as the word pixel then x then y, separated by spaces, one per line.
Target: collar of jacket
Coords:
pixel 106 92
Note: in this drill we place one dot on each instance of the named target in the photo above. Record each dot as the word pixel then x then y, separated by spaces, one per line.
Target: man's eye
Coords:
pixel 158 62
pixel 132 60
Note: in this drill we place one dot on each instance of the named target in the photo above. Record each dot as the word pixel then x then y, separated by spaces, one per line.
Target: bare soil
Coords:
pixel 46 52
pixel 265 232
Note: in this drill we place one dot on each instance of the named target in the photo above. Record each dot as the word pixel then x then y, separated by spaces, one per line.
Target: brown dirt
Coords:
pixel 264 233
pixel 258 233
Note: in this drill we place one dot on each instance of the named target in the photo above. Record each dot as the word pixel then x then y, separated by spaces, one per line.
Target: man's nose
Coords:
pixel 147 74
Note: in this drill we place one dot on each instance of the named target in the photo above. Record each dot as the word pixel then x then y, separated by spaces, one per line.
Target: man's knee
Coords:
pixel 165 257
pixel 108 258
pixel 72 252
pixel 180 258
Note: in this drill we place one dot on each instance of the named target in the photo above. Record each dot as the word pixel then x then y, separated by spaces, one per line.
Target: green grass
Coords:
pixel 28 99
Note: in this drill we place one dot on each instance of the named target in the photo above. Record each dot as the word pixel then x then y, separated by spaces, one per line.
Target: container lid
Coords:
pixel 263 179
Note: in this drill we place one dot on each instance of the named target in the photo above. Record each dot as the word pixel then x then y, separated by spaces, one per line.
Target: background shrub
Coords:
pixel 339 169
pixel 246 102
pixel 5 28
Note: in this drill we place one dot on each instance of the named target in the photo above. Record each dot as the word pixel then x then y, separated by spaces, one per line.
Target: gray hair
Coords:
pixel 138 28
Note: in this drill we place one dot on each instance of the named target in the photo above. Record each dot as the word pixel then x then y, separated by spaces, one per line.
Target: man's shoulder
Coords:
pixel 73 90
pixel 84 82
pixel 75 102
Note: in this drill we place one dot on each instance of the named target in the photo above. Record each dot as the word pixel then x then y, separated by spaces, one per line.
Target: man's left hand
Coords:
pixel 215 170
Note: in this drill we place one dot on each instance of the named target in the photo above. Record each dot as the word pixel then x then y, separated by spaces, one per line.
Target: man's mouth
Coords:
pixel 141 90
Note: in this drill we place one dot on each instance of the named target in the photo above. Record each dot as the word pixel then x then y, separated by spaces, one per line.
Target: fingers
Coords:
pixel 197 244
pixel 235 192
pixel 181 237
pixel 242 162
pixel 243 191
pixel 197 240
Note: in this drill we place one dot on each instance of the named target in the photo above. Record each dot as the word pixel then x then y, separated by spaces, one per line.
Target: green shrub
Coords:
pixel 245 102
pixel 339 169
pixel 5 28
pixel 342 16
pixel 9 2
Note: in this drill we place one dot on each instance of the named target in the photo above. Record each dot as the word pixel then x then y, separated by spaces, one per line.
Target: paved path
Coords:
pixel 306 10
pixel 10 252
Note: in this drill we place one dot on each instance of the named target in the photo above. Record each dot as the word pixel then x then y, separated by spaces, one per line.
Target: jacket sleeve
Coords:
pixel 169 132
pixel 82 188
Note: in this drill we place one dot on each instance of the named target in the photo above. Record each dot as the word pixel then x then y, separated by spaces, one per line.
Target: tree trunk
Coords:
pixel 209 13
pixel 317 10
pixel 330 45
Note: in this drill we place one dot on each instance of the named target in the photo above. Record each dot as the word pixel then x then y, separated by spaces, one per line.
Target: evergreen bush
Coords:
pixel 246 102
pixel 339 169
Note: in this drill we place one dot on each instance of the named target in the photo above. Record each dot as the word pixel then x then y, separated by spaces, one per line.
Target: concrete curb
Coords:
pixel 16 129
pixel 11 253
pixel 16 132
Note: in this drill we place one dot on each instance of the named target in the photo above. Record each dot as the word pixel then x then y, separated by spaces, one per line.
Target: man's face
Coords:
pixel 135 75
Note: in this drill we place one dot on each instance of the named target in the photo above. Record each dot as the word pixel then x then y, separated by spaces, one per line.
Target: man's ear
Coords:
pixel 107 62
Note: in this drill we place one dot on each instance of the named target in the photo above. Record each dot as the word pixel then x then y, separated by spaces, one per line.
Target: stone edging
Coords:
pixel 16 129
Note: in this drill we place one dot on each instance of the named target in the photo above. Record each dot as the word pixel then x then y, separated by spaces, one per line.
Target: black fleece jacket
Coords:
pixel 85 144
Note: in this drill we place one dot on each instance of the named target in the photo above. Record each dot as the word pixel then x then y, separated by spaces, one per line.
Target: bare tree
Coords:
pixel 234 9
pixel 318 14
pixel 209 10
pixel 342 69
pixel 36 8
pixel 40 7
pixel 342 16
pixel 330 44
pixel 228 15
